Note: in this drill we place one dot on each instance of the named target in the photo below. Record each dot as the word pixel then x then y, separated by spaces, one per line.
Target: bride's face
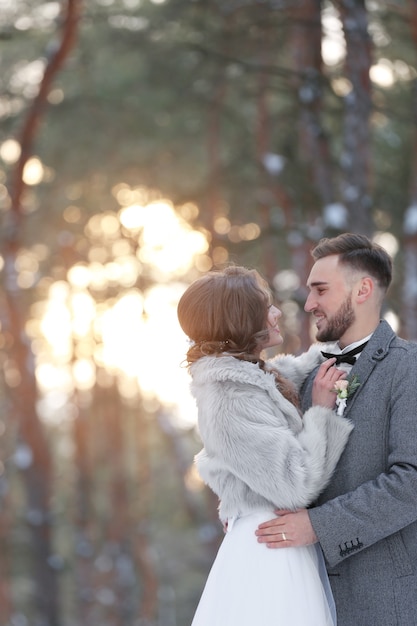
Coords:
pixel 274 338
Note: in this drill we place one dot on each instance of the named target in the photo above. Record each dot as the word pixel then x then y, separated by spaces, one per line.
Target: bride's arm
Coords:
pixel 297 368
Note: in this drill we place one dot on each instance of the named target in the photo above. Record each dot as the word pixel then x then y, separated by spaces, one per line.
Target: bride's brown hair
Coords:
pixel 226 312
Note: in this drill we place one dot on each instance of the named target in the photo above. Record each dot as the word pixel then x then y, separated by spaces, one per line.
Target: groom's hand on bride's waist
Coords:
pixel 289 529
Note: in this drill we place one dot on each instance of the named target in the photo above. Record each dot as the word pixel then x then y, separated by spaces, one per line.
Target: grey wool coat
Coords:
pixel 258 452
pixel 366 519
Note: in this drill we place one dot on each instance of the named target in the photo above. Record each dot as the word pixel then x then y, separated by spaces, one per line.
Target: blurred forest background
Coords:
pixel 143 142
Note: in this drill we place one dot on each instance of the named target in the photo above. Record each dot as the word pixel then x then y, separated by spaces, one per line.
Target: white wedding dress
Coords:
pixel 252 585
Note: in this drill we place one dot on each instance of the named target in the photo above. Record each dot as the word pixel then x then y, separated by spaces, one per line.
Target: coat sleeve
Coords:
pixel 297 368
pixel 387 503
pixel 247 437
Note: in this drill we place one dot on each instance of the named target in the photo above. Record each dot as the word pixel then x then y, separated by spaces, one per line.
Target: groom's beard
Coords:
pixel 339 323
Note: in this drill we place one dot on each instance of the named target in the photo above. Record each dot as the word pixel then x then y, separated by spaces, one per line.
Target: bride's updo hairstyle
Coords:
pixel 226 311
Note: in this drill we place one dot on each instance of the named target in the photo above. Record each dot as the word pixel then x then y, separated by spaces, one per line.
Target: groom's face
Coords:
pixel 330 299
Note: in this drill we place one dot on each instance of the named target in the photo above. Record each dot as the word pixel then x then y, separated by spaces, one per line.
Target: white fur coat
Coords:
pixel 258 452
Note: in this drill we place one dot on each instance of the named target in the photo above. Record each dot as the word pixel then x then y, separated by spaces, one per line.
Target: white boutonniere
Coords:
pixel 344 389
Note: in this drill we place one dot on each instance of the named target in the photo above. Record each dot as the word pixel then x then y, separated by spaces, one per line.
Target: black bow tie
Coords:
pixel 347 357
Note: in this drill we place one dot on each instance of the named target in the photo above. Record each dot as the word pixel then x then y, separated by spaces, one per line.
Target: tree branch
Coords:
pixel 31 124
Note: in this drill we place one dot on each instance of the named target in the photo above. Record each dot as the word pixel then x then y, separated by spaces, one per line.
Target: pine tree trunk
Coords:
pixel 356 155
pixel 409 291
pixel 38 475
pixel 37 471
pixel 314 147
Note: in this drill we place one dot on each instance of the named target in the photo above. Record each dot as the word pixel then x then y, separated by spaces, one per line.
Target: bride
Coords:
pixel 259 452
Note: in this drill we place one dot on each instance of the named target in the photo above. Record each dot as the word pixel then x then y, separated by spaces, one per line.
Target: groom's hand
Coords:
pixel 288 530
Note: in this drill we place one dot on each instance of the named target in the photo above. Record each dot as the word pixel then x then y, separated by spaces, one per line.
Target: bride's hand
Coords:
pixel 324 382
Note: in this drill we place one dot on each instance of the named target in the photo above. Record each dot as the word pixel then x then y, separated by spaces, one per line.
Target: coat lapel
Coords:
pixel 373 353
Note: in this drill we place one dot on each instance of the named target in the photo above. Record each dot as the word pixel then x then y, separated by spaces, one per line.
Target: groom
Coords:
pixel 366 519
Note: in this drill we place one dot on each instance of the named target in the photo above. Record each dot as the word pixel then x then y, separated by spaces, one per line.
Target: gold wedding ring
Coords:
pixel 284 538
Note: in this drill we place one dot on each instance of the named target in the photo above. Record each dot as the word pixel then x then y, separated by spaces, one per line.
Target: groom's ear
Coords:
pixel 365 289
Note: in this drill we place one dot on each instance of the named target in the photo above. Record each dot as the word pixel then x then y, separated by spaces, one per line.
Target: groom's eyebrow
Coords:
pixel 317 283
